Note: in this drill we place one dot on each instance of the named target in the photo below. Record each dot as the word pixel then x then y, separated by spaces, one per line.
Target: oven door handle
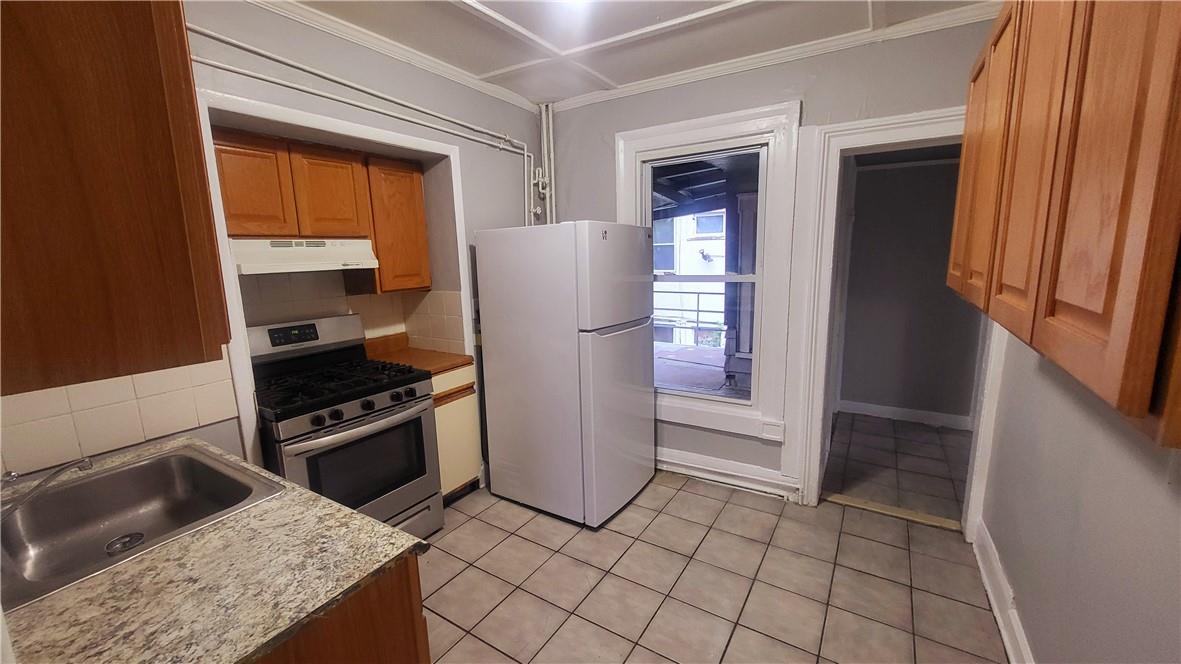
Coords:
pixel 338 439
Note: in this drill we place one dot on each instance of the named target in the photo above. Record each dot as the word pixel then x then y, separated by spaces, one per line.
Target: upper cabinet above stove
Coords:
pixel 109 259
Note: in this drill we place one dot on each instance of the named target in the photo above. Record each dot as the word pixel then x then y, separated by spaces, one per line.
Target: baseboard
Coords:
pixel 1000 595
pixel 745 475
pixel 895 413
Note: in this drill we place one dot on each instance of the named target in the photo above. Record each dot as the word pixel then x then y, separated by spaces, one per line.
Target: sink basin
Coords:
pixel 74 529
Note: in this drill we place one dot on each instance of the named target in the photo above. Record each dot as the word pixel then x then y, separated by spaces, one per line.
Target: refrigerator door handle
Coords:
pixel 621 328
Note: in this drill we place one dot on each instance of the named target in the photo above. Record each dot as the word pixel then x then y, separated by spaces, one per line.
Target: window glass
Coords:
pixel 710 224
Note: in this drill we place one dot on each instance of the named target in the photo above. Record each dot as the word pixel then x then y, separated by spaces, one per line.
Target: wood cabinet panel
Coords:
pixel 399 225
pixel 1039 81
pixel 257 193
pixel 1111 242
pixel 457 419
pixel 109 260
pixel 331 192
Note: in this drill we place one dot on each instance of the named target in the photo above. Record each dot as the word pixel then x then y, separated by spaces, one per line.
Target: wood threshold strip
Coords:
pixel 454 394
pixel 898 512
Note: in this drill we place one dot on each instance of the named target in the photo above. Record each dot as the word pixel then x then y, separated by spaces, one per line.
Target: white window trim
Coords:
pixel 776 127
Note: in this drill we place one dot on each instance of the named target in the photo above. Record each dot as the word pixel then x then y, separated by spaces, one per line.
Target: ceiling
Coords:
pixel 551 50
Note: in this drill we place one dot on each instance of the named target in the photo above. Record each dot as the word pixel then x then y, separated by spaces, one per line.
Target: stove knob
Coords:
pixel 336 414
pixel 318 420
pixel 367 404
pixel 411 392
pixel 396 397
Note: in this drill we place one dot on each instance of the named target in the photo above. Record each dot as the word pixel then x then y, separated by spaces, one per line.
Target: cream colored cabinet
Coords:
pixel 457 426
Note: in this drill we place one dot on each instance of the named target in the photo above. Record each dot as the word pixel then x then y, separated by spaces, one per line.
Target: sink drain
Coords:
pixel 124 543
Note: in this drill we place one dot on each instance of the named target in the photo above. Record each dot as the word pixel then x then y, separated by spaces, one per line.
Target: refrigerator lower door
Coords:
pixel 618 417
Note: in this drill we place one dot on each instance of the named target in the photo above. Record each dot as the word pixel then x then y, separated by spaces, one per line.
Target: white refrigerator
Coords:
pixel 566 335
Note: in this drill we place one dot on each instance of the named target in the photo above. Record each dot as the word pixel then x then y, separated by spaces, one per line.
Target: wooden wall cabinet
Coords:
pixel 331 192
pixel 109 258
pixel 257 192
pixel 399 225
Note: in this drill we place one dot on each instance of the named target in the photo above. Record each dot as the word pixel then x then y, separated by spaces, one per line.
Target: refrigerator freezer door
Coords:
pixel 614 274
pixel 618 417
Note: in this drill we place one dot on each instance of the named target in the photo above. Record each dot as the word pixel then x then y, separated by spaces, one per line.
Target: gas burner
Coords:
pixel 290 394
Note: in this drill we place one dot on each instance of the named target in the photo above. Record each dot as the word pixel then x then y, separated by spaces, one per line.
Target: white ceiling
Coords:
pixel 553 50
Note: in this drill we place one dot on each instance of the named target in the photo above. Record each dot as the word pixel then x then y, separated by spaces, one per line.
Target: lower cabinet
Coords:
pixel 457 426
pixel 380 622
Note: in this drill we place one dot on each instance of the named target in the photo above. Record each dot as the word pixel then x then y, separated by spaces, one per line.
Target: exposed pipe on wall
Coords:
pixel 546 182
pixel 498 140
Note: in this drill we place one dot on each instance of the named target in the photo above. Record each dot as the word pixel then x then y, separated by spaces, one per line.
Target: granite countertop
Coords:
pixel 227 592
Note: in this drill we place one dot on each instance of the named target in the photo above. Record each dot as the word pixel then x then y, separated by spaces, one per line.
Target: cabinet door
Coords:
pixel 1111 242
pixel 457 428
pixel 331 192
pixel 109 260
pixel 973 235
pixel 256 190
pixel 399 225
pixel 1039 84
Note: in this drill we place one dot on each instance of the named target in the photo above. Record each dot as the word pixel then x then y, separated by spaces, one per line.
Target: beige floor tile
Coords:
pixel 631 520
pixel 876 527
pixel 471 540
pixel 708 489
pixel 917 464
pixel 959 625
pixel 514 559
pixel 838 449
pixel 547 531
pixel 796 572
pixel 920 433
pixel 930 485
pixel 849 637
pixel 949 579
pixel 826 515
pixel 685 633
pixel 945 544
pixel 806 538
pixel 888 562
pixel 579 642
pixel 651 566
pixel 440 634
pixel 520 625
pixel 872 424
pixel 750 647
pixel 948 509
pixel 563 581
pixel 732 552
pixel 674 533
pixel 506 515
pixel 872 597
pixel 435 568
pixel 655 497
pixel 914 448
pixel 716 590
pixel 751 524
pixel 471 650
pixel 467 598
pixel 600 548
pixel 641 655
pixel 670 479
pixel 877 441
pixel 858 471
pixel 873 455
pixel 452 518
pixel 758 501
pixel 786 616
pixel 929 652
pixel 475 502
pixel 872 491
pixel 693 507
pixel 620 606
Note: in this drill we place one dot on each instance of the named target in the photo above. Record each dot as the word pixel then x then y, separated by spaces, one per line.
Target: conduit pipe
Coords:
pixel 503 142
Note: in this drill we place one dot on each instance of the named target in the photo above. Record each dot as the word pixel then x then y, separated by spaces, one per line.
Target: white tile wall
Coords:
pixel 48 427
pixel 277 298
pixel 434 320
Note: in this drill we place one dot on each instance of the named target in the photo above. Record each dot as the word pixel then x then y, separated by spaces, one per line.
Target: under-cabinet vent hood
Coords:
pixel 301 255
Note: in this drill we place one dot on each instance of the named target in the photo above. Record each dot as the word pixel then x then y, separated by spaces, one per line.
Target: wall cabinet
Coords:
pixel 331 192
pixel 1086 215
pixel 257 192
pixel 109 260
pixel 399 225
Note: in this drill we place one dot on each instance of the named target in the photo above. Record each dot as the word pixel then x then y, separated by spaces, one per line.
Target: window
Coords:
pixel 710 224
pixel 663 251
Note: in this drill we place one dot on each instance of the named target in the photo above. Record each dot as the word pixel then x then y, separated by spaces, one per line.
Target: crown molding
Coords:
pixel 343 29
pixel 976 13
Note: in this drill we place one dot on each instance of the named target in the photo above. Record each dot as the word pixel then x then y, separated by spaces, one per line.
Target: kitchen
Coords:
pixel 327 196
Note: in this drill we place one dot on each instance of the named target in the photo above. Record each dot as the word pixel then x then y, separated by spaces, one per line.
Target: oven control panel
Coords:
pixel 292 334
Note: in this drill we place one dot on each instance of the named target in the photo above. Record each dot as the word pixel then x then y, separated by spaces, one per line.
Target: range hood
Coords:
pixel 301 255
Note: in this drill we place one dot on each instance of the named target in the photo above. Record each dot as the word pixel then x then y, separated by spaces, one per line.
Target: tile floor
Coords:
pixel 698 572
pixel 899 463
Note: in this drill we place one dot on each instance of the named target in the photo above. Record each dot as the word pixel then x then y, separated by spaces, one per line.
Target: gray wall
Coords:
pixel 1085 513
pixel 910 341
pixel 917 73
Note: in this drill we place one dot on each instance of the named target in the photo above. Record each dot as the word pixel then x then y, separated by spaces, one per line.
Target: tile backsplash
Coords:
pixel 278 298
pixel 48 427
pixel 434 320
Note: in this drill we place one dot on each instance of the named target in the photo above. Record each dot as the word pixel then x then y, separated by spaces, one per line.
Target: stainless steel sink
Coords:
pixel 74 529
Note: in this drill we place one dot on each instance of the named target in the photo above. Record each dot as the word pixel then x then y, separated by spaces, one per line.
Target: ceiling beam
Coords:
pixel 671 193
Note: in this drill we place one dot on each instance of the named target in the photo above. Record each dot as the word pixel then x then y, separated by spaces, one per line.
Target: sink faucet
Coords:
pixel 81 464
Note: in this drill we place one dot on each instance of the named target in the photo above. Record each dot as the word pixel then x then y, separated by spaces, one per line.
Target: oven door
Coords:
pixel 379 466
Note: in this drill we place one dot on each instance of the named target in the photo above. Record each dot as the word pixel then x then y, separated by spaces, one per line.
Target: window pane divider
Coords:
pixel 713 278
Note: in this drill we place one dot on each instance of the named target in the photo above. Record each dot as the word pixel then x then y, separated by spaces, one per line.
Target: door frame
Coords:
pixel 808 403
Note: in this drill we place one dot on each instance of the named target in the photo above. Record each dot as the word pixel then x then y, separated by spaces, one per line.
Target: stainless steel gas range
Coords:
pixel 358 431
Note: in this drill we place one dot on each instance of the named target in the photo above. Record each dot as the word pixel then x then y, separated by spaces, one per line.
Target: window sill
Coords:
pixel 715 415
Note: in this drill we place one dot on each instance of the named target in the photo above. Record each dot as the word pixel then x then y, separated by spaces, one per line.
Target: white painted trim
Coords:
pixel 1000 595
pixel 821 148
pixel 239 351
pixel 893 412
pixel 994 345
pixel 985 11
pixel 336 27
pixel 735 473
pixel 657 27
